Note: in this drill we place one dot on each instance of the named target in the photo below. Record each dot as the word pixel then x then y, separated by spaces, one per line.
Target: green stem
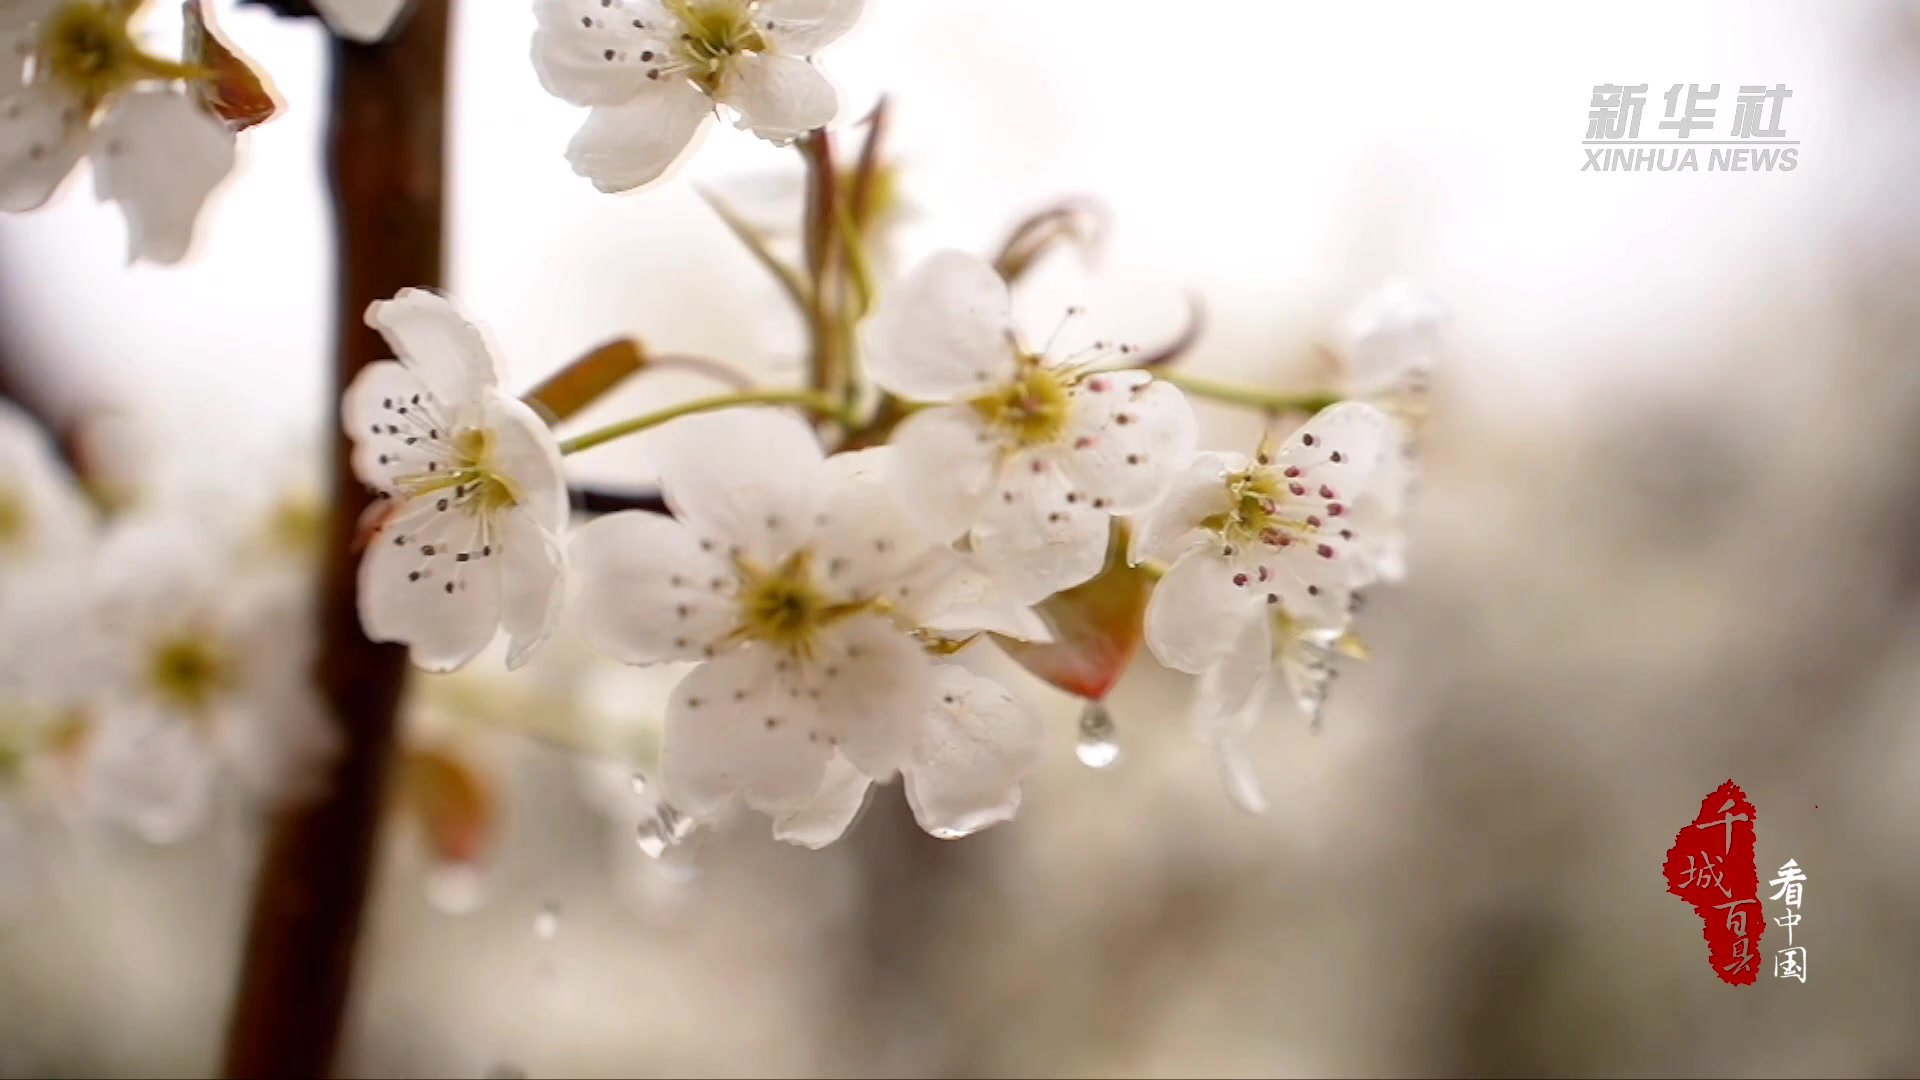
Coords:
pixel 807 399
pixel 1248 396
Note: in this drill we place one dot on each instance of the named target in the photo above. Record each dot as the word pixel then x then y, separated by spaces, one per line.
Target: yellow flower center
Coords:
pixel 15 523
pixel 86 48
pixel 186 672
pixel 785 607
pixel 1258 509
pixel 1033 409
pixel 473 476
pixel 712 33
pixel 297 523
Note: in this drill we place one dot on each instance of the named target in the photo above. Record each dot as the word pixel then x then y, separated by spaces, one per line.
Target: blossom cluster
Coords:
pixel 832 605
pixel 146 655
pixel 829 569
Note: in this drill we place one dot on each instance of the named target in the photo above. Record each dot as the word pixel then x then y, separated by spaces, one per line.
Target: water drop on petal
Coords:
pixel 1097 748
pixel 546 923
pixel 664 828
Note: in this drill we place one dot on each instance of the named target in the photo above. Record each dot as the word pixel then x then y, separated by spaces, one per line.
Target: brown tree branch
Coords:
pixel 386 149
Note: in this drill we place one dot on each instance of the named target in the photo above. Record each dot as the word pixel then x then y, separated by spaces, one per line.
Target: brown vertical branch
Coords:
pixel 387 161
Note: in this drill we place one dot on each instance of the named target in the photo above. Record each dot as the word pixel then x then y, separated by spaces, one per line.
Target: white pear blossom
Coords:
pixel 44 517
pixel 1028 456
pixel 813 604
pixel 74 83
pixel 361 20
pixel 1265 554
pixel 46 676
pixel 202 675
pixel 475 500
pixel 1388 345
pixel 652 71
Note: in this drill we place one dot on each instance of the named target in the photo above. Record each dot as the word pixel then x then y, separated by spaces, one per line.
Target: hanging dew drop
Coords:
pixel 1098 747
pixel 546 922
pixel 663 829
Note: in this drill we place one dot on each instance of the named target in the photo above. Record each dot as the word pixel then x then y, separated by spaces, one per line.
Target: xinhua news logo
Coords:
pixel 1698 130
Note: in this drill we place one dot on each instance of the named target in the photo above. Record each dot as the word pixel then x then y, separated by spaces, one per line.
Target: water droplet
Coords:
pixel 665 828
pixel 639 783
pixel 546 923
pixel 455 888
pixel 1097 748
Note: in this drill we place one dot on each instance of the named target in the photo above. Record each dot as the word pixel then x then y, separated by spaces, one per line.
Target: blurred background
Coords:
pixel 1668 534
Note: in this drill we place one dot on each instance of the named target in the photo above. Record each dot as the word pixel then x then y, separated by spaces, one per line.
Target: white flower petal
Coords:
pixel 864 544
pixel 49 516
pixel 739 724
pixel 1306 662
pixel 621 147
pixel 1380 510
pixel 779 98
pixel 361 20
pixel 159 155
pixel 943 334
pixel 279 748
pixel 1390 336
pixel 827 817
pixel 1172 526
pixel 527 455
pixel 589 52
pixel 802 27
pixel 1231 692
pixel 648 592
pixel 746 479
pixel 1198 610
pixel 950 592
pixel 413 591
pixel 381 457
pixel 977 745
pixel 437 343
pixel 1239 777
pixel 277 736
pixel 1129 434
pixel 150 771
pixel 1339 448
pixel 16 857
pixel 1038 533
pixel 873 682
pixel 533 584
pixel 16 44
pixel 43 133
pixel 942 469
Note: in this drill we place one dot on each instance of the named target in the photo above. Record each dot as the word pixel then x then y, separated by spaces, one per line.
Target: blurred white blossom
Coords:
pixel 205 672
